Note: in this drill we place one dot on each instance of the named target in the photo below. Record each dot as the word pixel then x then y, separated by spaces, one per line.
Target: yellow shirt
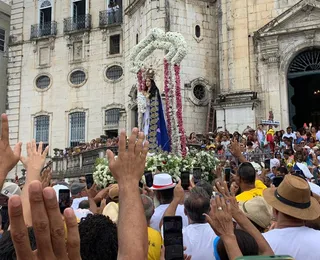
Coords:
pixel 155 242
pixel 250 194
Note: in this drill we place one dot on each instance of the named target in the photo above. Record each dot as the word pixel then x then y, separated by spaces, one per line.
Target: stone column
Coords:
pixel 270 81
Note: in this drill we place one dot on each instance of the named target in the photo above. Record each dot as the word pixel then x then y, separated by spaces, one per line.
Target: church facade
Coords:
pixel 69 79
pixel 268 61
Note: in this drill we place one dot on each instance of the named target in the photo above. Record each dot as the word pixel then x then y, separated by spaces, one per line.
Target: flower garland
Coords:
pixel 179 110
pixel 166 92
pixel 140 80
pixel 175 130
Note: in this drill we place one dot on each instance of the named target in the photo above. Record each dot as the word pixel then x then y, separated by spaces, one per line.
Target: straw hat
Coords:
pixel 111 211
pixel 257 210
pixel 293 197
pixel 114 192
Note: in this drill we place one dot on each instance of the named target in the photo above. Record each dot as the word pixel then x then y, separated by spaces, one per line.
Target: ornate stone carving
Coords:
pixel 104 34
pixel 310 34
pixel 269 49
pixel 51 43
pixel 86 38
pixel 35 47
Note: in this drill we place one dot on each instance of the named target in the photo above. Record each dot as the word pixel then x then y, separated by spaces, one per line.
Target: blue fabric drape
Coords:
pixel 162 133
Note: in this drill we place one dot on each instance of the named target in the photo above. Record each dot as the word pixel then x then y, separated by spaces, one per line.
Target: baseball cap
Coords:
pixel 9 189
pixel 77 187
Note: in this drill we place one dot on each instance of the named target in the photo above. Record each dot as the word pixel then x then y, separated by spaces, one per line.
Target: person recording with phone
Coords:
pixel 198 236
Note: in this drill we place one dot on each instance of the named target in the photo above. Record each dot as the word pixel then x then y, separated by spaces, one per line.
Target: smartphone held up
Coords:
pixel 89 180
pixel 173 240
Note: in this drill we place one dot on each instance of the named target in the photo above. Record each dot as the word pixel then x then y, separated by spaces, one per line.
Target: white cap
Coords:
pixel 9 189
pixel 60 187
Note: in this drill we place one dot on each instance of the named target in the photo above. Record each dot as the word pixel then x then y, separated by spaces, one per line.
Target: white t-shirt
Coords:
pixel 302 243
pixel 198 238
pixel 261 135
pixel 315 189
pixel 225 144
pixel 318 136
pixel 292 135
pixel 76 202
pixel 160 210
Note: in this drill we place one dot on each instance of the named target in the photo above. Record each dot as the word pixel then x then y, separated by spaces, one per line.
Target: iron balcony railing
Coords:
pixel 107 17
pixel 43 29
pixel 77 23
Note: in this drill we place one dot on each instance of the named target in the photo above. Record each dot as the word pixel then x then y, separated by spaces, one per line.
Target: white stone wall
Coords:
pixel 9 2
pixel 5 12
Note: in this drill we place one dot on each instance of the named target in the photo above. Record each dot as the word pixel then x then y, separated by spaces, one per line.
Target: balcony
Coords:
pixel 107 18
pixel 77 23
pixel 43 29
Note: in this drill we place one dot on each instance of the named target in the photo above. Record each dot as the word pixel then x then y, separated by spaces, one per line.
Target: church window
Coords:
pixel 197 31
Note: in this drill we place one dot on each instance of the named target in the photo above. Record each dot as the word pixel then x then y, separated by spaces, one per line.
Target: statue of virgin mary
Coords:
pixel 153 122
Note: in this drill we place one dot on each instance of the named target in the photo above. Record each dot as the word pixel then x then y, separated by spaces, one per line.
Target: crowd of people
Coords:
pixel 103 141
pixel 268 208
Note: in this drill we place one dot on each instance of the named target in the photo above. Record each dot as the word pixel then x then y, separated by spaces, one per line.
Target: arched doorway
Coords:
pixel 304 88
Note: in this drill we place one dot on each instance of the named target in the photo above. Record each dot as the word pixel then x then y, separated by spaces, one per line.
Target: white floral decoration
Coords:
pixel 102 175
pixel 173 42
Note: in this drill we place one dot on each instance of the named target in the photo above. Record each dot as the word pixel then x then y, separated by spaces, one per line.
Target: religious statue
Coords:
pixel 152 121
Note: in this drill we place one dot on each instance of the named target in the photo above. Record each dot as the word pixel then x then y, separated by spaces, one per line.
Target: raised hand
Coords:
pixel 178 193
pixel 8 157
pixel 92 192
pixel 235 149
pixel 46 177
pixel 48 227
pixel 36 158
pixel 220 218
pixel 130 164
pixel 128 169
pixel 222 188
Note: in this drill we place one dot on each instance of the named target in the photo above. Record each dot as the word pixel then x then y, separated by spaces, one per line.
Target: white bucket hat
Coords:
pixel 162 181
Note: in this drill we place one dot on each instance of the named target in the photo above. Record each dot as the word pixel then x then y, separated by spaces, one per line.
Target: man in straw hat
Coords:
pixel 293 205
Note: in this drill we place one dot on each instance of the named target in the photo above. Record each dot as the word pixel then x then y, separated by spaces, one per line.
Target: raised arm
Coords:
pixel 243 221
pixel 8 157
pixel 128 169
pixel 236 152
pixel 178 198
pixel 220 220
pixel 33 163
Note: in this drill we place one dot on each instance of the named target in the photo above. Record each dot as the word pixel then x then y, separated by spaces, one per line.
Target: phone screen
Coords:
pixel 64 199
pixel 89 180
pixel 196 175
pixel 277 180
pixel 227 173
pixel 267 164
pixel 185 180
pixel 173 240
pixel 149 179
